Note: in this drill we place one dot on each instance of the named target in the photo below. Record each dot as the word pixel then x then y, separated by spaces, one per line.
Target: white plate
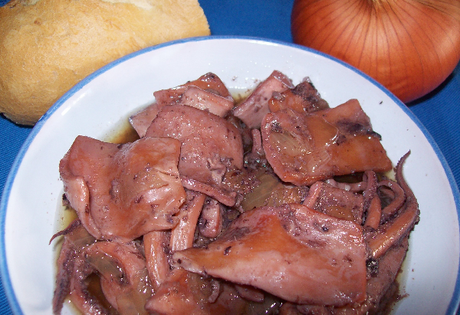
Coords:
pixel 99 104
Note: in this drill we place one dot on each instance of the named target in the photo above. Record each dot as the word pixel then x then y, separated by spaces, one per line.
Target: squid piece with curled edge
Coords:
pixel 208 92
pixel 289 251
pixel 123 191
pixel 303 149
pixel 253 109
pixel 210 146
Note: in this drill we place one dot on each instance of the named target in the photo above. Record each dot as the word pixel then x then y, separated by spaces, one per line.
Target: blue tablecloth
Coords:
pixel 439 111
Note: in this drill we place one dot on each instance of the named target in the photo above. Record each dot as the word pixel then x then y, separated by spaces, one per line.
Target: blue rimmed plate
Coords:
pixel 100 105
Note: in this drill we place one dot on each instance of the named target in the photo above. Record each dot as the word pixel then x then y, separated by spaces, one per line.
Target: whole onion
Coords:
pixel 409 46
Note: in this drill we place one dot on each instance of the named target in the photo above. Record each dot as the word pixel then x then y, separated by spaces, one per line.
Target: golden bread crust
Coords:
pixel 47 46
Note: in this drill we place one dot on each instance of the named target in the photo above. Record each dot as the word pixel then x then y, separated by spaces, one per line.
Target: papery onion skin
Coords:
pixel 409 46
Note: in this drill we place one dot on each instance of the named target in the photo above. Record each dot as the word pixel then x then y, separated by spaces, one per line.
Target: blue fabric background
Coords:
pixel 439 111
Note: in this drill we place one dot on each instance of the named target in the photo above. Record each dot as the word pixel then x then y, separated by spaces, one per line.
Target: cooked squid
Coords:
pixel 253 109
pixel 276 205
pixel 303 149
pixel 123 191
pixel 289 251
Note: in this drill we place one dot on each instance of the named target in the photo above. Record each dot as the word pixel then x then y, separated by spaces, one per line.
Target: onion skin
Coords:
pixel 409 46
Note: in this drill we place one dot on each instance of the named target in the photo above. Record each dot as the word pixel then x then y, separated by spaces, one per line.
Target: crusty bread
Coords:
pixel 47 46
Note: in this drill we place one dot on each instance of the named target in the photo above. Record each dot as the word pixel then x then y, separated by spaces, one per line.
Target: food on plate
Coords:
pixel 325 143
pixel 128 172
pixel 47 46
pixel 218 209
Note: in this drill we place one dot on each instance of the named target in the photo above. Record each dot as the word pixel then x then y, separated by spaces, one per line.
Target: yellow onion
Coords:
pixel 409 46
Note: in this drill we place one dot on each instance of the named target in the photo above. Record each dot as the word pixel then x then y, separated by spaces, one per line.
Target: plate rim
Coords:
pixel 4 273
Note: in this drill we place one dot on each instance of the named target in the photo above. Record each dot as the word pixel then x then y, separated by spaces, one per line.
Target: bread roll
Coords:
pixel 47 46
